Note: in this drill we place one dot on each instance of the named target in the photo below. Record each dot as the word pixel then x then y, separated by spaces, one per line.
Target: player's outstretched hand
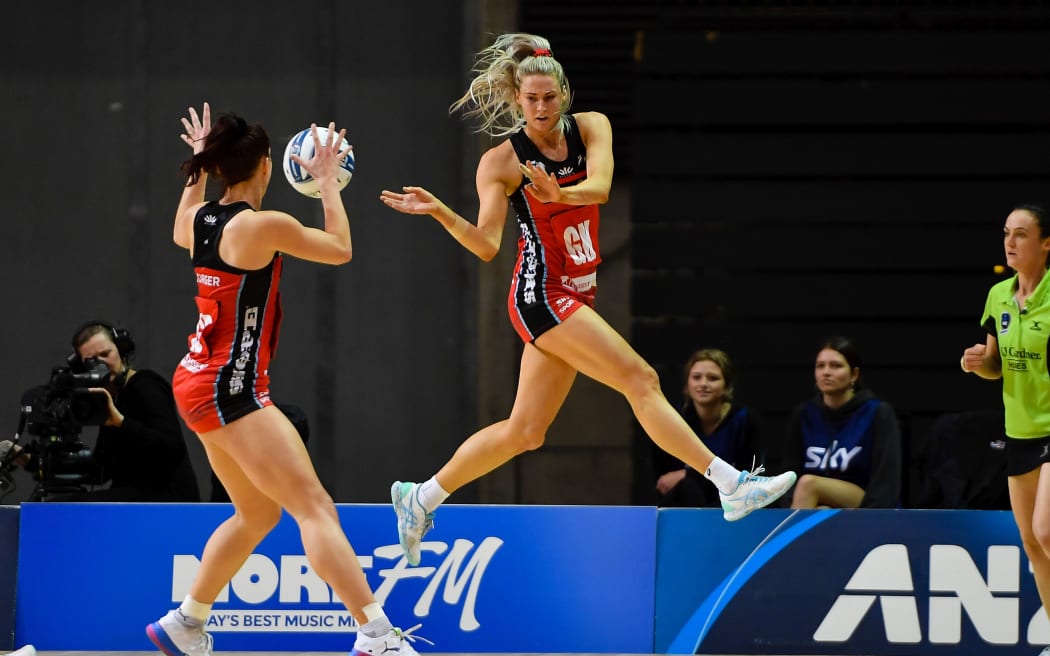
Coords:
pixel 414 200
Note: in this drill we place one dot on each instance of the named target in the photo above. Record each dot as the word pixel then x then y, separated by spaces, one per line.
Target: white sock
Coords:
pixel 377 623
pixel 194 609
pixel 373 611
pixel 431 495
pixel 723 475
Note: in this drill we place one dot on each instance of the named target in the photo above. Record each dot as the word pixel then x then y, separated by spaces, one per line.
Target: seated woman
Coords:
pixel 729 430
pixel 846 441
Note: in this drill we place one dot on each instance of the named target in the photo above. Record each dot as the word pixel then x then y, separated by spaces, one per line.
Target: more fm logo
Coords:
pixel 291 582
pixel 992 604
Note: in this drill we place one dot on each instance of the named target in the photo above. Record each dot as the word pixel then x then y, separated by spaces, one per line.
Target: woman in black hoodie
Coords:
pixel 847 443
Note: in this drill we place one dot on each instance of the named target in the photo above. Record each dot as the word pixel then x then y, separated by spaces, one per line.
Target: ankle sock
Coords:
pixel 377 627
pixel 372 611
pixel 194 610
pixel 725 476
pixel 430 494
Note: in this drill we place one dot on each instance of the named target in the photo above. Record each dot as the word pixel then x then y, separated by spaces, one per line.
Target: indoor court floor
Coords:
pixel 316 653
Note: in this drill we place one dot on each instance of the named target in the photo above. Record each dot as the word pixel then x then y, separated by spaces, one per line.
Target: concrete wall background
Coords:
pixel 93 103
pixel 384 354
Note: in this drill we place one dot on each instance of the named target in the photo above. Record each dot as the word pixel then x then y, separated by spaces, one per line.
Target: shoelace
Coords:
pixel 407 634
pixel 204 643
pixel 753 475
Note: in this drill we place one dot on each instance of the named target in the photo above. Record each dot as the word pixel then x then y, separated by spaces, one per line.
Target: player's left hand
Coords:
pixel 197 128
pixel 543 186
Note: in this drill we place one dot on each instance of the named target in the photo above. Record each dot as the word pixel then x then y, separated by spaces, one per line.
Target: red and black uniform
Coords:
pixel 558 256
pixel 225 374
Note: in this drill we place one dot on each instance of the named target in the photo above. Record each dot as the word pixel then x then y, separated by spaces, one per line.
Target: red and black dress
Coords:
pixel 556 270
pixel 225 374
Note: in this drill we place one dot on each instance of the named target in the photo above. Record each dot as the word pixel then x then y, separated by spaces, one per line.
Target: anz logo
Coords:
pixel 956 587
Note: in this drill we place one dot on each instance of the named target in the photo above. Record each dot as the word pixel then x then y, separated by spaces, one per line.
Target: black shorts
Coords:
pixel 1024 455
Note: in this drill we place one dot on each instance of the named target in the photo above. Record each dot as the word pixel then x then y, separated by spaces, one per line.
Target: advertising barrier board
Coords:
pixel 491 579
pixel 886 582
pixel 8 574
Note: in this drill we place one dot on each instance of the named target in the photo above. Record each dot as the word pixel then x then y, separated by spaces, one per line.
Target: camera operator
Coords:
pixel 140 448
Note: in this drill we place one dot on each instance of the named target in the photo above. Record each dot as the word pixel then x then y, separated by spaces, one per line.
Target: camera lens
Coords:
pixel 88 408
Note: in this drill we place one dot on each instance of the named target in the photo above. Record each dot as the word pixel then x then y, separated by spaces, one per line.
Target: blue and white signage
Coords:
pixel 492 578
pixel 884 582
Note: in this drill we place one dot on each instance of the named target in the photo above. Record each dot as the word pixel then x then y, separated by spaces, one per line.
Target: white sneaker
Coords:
pixel 174 636
pixel 412 520
pixel 27 650
pixel 753 492
pixel 394 643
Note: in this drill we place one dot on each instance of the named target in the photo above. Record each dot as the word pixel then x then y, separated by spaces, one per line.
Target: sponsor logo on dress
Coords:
pixel 530 263
pixel 580 283
pixel 191 365
pixel 248 337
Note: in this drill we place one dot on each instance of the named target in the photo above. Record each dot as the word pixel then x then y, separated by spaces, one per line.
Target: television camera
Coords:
pixel 47 441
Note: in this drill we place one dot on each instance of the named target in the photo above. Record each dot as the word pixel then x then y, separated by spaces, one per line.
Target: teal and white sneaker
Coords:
pixel 412 520
pixel 753 492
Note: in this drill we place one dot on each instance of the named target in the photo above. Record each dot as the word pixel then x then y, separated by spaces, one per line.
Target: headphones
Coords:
pixel 120 336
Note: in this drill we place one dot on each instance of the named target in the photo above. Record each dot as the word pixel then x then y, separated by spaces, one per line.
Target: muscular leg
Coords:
pixel 233 541
pixel 543 383
pixel 1030 502
pixel 822 492
pixel 590 345
pixel 275 471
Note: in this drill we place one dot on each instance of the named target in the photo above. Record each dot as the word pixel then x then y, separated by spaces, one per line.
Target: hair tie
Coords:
pixel 542 52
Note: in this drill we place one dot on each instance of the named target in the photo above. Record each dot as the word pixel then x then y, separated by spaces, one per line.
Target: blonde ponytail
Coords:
pixel 498 71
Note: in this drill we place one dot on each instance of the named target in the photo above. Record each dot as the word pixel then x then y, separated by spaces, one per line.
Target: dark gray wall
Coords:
pixel 91 100
pixel 849 171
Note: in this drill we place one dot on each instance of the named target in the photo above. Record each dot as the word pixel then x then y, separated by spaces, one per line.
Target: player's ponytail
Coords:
pixel 232 151
pixel 498 71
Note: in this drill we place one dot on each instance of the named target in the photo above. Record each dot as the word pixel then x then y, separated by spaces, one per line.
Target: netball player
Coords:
pixel 554 169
